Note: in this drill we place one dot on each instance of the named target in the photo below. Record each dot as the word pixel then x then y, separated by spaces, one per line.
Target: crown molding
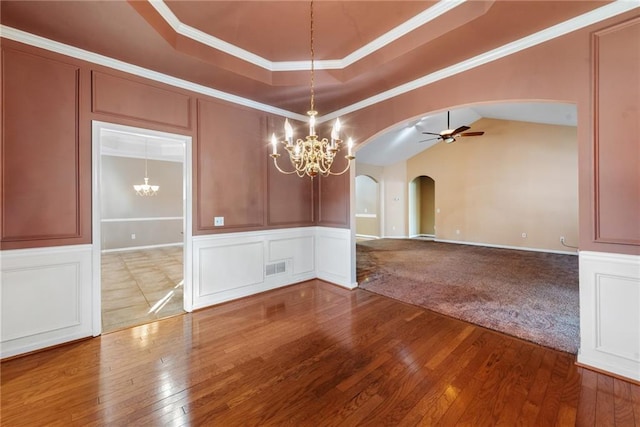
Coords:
pixel 85 55
pixel 428 15
pixel 608 11
pixel 440 8
pixel 206 39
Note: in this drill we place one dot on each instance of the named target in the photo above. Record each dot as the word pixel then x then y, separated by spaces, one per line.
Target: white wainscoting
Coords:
pixel 233 265
pixel 46 293
pixel 45 297
pixel 335 257
pixel 610 313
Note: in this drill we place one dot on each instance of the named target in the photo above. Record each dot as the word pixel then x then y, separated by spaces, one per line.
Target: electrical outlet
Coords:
pixel 562 239
pixel 218 221
pixel 133 236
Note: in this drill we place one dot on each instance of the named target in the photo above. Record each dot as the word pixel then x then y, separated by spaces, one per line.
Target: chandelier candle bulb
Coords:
pixel 335 133
pixel 312 123
pixel 288 132
pixel 274 143
pixel 350 147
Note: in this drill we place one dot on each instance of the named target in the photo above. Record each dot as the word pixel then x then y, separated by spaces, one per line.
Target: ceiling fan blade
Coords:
pixel 431 133
pixel 472 134
pixel 430 139
pixel 460 130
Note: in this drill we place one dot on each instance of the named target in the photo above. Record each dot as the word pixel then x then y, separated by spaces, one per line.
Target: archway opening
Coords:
pixel 422 207
pixel 367 207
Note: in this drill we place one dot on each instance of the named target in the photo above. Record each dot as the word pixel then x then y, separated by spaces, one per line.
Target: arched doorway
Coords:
pixel 367 207
pixel 422 207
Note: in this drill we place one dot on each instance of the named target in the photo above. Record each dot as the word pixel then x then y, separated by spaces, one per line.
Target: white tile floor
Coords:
pixel 141 286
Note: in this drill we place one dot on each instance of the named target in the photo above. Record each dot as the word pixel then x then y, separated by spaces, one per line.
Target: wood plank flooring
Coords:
pixel 311 354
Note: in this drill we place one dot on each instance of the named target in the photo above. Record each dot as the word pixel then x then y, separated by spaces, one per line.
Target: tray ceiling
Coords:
pixel 278 32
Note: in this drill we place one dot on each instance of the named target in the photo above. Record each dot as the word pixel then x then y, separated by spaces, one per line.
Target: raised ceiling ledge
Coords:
pixel 441 18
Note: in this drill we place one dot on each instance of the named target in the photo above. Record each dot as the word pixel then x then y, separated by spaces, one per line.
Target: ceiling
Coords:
pixel 258 51
pixel 406 140
pixel 141 146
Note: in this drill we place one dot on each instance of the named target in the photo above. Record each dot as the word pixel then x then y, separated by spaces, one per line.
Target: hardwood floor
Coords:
pixel 311 354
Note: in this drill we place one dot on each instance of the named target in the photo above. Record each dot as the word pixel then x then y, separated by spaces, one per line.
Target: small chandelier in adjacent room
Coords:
pixel 311 156
pixel 146 189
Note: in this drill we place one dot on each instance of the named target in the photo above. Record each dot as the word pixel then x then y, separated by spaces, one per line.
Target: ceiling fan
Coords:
pixel 449 135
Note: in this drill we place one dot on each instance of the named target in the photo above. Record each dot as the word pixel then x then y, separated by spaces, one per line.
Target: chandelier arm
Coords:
pixel 275 162
pixel 340 173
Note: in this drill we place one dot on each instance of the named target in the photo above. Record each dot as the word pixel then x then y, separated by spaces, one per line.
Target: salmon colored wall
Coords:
pixel 518 178
pixel 48 102
pixel 616 95
pixel 565 69
pixel 46 152
pixel 559 70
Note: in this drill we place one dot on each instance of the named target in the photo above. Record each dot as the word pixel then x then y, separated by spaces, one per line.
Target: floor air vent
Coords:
pixel 275 268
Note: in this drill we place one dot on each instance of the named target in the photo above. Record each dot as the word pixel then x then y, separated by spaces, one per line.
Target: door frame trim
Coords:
pixel 97 128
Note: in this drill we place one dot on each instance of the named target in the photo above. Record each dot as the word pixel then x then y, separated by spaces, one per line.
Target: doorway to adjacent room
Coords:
pixel 141 236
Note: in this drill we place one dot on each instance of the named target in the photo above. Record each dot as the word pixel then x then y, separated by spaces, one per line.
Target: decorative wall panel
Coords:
pixel 335 256
pixel 143 101
pixel 610 313
pixel 44 156
pixel 301 250
pixel 231 152
pixel 46 297
pixel 616 60
pixel 230 265
pixel 234 265
pixel 290 200
pixel 333 200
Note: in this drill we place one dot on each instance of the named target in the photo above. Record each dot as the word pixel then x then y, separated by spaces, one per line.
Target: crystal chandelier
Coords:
pixel 311 156
pixel 146 189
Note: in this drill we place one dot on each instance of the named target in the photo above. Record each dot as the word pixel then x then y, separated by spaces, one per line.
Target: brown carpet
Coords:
pixel 530 295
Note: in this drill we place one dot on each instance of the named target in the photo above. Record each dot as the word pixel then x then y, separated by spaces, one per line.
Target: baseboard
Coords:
pixel 366 236
pixel 517 248
pixel 140 248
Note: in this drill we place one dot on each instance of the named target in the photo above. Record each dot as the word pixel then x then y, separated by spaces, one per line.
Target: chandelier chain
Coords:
pixel 312 155
pixel 145 159
pixel 312 59
pixel 146 189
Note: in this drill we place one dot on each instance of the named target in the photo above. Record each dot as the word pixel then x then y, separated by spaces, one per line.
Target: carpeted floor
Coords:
pixel 530 295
